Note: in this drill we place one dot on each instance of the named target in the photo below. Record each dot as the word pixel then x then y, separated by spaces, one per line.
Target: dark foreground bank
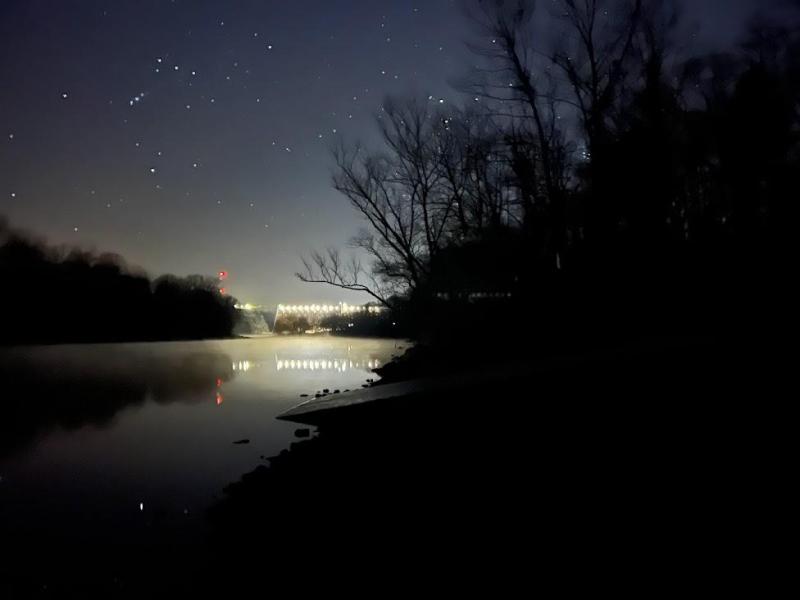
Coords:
pixel 639 470
pixel 643 466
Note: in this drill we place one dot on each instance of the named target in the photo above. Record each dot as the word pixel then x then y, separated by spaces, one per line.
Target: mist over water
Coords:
pixel 114 439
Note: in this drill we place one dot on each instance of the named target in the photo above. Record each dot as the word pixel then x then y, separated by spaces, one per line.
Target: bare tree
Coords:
pixel 476 173
pixel 598 43
pixel 402 196
pixel 331 269
pixel 525 93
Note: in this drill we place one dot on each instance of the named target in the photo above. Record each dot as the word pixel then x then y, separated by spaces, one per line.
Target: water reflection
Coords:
pixel 340 365
pixel 242 366
pixel 61 387
pixel 130 443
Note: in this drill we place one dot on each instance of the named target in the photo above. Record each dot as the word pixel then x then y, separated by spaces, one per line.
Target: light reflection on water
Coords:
pixel 336 363
pixel 341 365
pixel 99 430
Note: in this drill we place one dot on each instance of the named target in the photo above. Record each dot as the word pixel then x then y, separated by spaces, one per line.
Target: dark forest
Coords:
pixel 68 295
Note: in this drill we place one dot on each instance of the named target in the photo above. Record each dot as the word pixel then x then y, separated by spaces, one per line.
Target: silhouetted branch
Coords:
pixel 328 268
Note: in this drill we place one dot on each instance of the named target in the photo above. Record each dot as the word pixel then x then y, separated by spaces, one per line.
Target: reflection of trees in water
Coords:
pixel 52 388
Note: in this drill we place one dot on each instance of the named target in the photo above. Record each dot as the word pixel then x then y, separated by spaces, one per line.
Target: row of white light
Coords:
pixel 312 365
pixel 326 365
pixel 326 308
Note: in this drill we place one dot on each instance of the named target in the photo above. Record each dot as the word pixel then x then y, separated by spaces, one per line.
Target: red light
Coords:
pixel 219 382
pixel 223 275
pixel 220 399
pixel 223 291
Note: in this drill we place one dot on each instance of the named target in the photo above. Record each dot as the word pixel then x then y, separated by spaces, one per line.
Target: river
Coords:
pixel 115 439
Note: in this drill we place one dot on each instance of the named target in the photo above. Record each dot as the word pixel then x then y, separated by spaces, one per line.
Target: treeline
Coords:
pixel 605 183
pixel 53 295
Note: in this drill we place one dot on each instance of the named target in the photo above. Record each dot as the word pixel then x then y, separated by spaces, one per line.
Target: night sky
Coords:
pixel 191 136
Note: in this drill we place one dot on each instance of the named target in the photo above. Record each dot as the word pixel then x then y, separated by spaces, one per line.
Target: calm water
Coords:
pixel 110 439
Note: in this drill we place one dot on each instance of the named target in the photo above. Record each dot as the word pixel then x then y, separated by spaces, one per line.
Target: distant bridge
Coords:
pixel 327 310
pixel 315 313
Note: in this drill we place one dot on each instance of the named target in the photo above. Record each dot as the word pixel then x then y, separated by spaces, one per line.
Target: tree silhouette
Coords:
pixel 609 160
pixel 69 295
